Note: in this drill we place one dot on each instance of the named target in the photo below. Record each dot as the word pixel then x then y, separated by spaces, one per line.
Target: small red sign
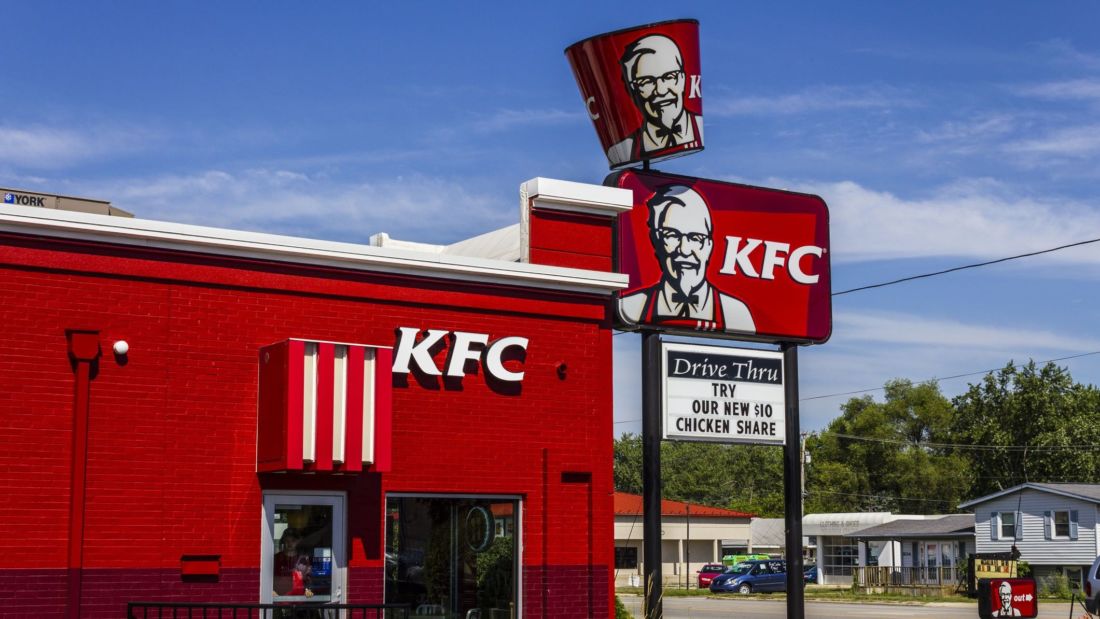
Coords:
pixel 712 256
pixel 643 90
pixel 1012 597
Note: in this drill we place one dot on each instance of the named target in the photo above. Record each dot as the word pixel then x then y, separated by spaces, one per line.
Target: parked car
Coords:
pixel 707 574
pixel 1092 587
pixel 752 576
pixel 809 576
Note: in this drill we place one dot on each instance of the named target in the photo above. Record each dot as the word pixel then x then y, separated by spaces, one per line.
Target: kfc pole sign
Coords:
pixel 1007 597
pixel 643 90
pixel 716 257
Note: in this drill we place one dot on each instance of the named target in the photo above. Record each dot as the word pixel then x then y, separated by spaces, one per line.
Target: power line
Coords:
pixel 1035 448
pixel 937 379
pixel 964 267
pixel 879 496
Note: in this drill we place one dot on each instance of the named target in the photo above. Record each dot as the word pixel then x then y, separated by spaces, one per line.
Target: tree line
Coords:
pixel 915 451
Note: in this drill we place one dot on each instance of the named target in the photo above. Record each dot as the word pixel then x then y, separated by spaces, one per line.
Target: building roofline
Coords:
pixel 1026 486
pixel 255 245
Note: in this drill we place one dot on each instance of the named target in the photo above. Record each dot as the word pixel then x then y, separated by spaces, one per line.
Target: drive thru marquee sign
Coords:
pixel 722 394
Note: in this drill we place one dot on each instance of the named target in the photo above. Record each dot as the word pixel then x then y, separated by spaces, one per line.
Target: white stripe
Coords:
pixel 309 400
pixel 368 405
pixel 339 402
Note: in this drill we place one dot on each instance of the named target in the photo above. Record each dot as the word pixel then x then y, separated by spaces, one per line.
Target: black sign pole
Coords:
pixel 651 473
pixel 792 487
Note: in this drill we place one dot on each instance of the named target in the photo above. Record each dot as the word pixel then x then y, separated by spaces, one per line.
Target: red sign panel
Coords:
pixel 643 90
pixel 1010 597
pixel 712 256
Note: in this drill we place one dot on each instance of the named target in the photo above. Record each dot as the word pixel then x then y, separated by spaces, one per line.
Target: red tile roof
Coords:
pixel 631 505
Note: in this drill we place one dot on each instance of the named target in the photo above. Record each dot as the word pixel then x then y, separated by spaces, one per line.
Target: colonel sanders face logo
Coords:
pixel 681 232
pixel 653 73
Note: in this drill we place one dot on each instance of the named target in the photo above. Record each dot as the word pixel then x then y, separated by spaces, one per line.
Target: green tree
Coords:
pixel 1033 424
pixel 876 456
pixel 743 477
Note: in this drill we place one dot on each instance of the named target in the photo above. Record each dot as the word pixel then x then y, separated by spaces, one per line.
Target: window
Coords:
pixel 838 556
pixel 303 548
pixel 1008 525
pixel 626 558
pixel 444 554
pixel 1061 524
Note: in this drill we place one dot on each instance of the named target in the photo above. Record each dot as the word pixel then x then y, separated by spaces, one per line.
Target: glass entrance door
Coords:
pixel 303 557
pixel 453 557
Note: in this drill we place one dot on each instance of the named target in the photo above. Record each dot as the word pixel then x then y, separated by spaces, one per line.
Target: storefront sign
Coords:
pixel 17 198
pixel 643 90
pixel 466 348
pixel 727 395
pixel 1007 597
pixel 702 255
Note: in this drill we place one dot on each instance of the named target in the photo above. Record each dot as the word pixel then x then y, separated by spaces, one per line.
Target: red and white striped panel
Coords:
pixel 338 399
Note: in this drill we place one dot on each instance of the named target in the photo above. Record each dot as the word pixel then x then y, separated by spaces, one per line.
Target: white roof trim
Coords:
pixel 562 195
pixel 254 245
pixel 1027 486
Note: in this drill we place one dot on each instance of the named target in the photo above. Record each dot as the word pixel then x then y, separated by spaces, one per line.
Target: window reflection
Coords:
pixel 302 567
pixel 452 557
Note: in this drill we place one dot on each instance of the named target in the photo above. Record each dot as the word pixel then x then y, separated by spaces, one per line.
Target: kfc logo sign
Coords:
pixel 414 353
pixel 642 88
pixel 718 257
pixel 739 254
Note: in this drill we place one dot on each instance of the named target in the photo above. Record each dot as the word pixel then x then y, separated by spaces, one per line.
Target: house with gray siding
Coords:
pixel 1054 526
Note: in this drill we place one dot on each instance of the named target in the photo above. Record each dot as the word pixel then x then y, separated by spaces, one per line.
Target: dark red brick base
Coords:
pixel 550 592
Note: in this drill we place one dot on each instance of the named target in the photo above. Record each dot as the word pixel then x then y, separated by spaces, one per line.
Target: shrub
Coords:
pixel 1055 585
pixel 620 610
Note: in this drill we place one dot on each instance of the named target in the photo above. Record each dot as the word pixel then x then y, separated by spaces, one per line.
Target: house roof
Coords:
pixel 954 525
pixel 631 505
pixel 1085 492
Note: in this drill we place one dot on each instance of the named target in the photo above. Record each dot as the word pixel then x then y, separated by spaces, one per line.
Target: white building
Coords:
pixel 1054 526
pixel 691 536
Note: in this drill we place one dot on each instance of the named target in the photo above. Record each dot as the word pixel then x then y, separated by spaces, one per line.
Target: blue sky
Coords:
pixel 940 133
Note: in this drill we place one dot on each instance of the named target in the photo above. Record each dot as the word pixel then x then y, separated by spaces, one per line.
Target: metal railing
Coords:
pixel 214 610
pixel 878 576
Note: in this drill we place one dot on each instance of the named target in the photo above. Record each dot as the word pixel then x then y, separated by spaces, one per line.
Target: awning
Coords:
pixel 324 407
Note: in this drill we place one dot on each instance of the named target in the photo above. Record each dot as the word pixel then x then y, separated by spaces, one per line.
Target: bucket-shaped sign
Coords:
pixel 643 90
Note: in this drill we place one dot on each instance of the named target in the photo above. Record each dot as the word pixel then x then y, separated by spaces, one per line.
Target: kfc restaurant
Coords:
pixel 200 414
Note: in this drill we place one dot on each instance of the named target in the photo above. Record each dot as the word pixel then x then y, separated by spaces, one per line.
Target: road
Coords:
pixel 708 608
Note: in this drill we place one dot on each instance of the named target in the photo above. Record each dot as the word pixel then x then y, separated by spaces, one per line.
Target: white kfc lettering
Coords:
pixel 408 349
pixel 494 363
pixel 776 254
pixel 465 347
pixel 695 91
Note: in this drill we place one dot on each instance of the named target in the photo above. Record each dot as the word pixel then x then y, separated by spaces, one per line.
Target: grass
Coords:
pixel 812 593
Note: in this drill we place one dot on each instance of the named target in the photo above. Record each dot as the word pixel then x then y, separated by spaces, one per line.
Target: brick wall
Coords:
pixel 172 427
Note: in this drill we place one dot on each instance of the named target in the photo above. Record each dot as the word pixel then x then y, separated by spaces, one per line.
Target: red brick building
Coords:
pixel 396 422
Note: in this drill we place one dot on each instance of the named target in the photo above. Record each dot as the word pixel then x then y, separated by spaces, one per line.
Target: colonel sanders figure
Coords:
pixel 653 71
pixel 1004 592
pixel 680 230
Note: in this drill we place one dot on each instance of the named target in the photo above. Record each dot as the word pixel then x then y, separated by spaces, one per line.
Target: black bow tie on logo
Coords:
pixel 691 299
pixel 672 134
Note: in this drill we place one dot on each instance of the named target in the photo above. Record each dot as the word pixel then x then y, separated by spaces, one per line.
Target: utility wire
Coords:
pixel 1029 448
pixel 921 382
pixel 937 379
pixel 964 267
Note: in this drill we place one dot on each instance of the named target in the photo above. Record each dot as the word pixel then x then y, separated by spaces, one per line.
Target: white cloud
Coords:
pixel 821 98
pixel 1066 142
pixel 288 202
pixel 1071 90
pixel 1064 51
pixel 976 218
pixel 53 147
pixel 505 120
pixel 967 133
pixel 899 329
